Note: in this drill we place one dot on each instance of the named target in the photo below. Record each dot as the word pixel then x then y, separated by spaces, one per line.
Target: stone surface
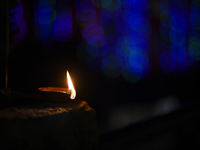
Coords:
pixel 49 126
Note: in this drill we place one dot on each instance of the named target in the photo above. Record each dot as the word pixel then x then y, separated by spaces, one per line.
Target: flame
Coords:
pixel 71 87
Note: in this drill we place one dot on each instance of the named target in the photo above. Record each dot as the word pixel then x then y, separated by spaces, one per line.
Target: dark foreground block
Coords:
pixel 49 126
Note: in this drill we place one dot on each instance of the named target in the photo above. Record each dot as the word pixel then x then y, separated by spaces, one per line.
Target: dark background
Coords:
pixel 116 101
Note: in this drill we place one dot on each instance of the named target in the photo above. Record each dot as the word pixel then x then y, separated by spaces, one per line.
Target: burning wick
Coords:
pixel 70 90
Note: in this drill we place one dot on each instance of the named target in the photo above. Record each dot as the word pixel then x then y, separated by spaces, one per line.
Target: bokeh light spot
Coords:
pixel 137 63
pixel 186 60
pixel 17 14
pixel 178 22
pixel 85 12
pixel 112 11
pixel 19 25
pixel 63 25
pixel 93 33
pixel 42 13
pixel 120 47
pixel 63 22
pixel 194 49
pixel 177 38
pixel 46 31
pixel 138 23
pixel 165 7
pixel 126 2
pixel 79 3
pixel 102 3
pixel 98 48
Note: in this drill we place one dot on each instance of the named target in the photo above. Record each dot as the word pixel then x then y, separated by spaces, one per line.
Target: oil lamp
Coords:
pixel 50 125
pixel 70 90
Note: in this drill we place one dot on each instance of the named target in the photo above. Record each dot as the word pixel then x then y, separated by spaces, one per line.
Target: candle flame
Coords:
pixel 71 87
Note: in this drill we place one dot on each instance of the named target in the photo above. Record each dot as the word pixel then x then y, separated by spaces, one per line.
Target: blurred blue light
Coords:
pixel 127 16
pixel 138 23
pixel 137 64
pixel 42 13
pixel 113 6
pixel 129 10
pixel 194 15
pixel 122 27
pixel 186 60
pixel 46 31
pixel 132 42
pixel 93 33
pixel 180 4
pixel 43 4
pixel 178 22
pixel 168 62
pixel 194 45
pixel 110 15
pixel 125 47
pixel 63 29
pixel 194 20
pixel 120 47
pixel 16 17
pixel 126 2
pixel 78 3
pixel 43 17
pixel 112 11
pixel 138 43
pixel 177 28
pixel 85 12
pixel 177 38
pixel 63 22
pixel 139 6
pixel 165 7
pixel 17 14
pixel 128 44
pixel 194 49
pixel 183 59
pixel 102 3
pixel 106 19
pixel 52 2
pixel 20 25
pixel 98 48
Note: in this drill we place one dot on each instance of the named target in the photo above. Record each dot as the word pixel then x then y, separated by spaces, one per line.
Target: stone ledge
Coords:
pixel 49 126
